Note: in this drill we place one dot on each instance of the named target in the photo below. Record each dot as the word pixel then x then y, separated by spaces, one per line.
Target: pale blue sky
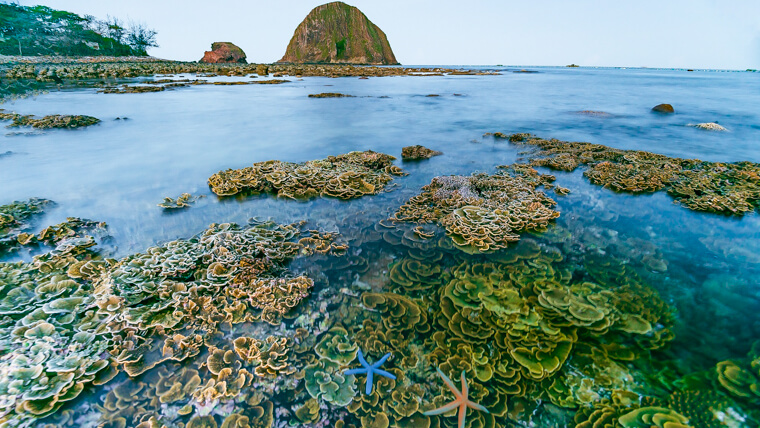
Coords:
pixel 654 33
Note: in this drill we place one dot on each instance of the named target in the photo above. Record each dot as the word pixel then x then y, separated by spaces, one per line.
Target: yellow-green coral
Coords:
pixel 731 188
pixel 483 212
pixel 345 176
pixel 47 122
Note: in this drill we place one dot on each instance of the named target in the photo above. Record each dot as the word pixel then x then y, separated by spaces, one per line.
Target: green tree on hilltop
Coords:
pixel 41 30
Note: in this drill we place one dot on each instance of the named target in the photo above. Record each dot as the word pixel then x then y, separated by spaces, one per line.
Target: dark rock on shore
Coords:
pixel 224 52
pixel 663 108
pixel 338 33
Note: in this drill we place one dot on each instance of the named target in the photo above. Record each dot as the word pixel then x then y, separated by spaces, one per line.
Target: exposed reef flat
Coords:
pixel 720 187
pixel 24 79
pixel 330 95
pixel 48 122
pixel 46 71
pixel 345 176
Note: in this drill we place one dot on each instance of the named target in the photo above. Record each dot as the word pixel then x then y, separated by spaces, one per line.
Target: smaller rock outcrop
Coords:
pixel 222 52
pixel 663 108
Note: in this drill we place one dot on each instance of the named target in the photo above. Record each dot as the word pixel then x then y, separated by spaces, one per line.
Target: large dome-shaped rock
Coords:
pixel 224 52
pixel 338 33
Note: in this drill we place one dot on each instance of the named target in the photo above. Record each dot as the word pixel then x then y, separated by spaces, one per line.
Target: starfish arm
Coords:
pixel 465 391
pixel 381 360
pixel 385 373
pixel 476 406
pixel 462 414
pixel 362 361
pixel 449 383
pixel 355 371
pixel 368 389
pixel 443 409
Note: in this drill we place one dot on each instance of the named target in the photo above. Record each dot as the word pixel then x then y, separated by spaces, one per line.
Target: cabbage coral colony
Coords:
pixel 220 330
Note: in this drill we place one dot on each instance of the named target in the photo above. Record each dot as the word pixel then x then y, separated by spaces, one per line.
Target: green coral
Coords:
pixel 336 346
pixel 325 381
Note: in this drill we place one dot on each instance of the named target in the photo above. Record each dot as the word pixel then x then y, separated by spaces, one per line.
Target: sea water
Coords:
pixel 153 145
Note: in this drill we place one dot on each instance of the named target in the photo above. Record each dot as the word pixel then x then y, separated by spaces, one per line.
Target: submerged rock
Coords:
pixel 418 152
pixel 338 33
pixel 224 52
pixel 710 126
pixel 330 95
pixel 663 108
pixel 593 113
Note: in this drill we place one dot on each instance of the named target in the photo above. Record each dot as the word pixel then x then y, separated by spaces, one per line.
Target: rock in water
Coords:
pixel 224 52
pixel 710 126
pixel 338 33
pixel 663 108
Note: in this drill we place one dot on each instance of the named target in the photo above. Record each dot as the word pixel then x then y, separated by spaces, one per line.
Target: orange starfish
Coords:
pixel 462 401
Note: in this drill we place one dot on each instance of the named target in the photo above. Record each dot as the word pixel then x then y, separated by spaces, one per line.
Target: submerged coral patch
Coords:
pixel 183 201
pixel 330 95
pixel 484 212
pixel 418 152
pixel 167 317
pixel 729 188
pixel 14 220
pixel 345 176
pixel 51 121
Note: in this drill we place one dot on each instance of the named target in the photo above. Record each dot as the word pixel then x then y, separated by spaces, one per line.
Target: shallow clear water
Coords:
pixel 174 140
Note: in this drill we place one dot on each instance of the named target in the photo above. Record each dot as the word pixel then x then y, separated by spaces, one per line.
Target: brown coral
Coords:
pixel 484 212
pixel 345 176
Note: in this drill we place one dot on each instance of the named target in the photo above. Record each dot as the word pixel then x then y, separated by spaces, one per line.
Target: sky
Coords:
pixel 719 34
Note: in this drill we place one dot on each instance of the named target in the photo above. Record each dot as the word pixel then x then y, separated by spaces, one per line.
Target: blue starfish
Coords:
pixel 461 401
pixel 370 370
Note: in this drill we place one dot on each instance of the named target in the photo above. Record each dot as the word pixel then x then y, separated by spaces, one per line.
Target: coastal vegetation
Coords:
pixel 41 30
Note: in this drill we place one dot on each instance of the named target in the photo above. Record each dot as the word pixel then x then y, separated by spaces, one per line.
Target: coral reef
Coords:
pixel 131 89
pixel 330 95
pixel 345 176
pixel 484 212
pixel 168 318
pixel 729 188
pixel 51 121
pixel 524 324
pixel 418 152
pixel 53 344
pixel 183 201
pixel 14 219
